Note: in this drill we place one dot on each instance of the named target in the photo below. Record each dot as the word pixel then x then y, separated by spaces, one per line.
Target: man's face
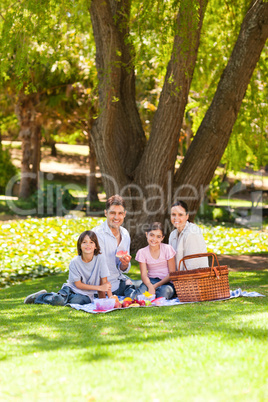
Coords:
pixel 115 216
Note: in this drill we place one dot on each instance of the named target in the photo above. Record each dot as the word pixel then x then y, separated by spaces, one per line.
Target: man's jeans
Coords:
pixel 167 290
pixel 64 296
pixel 125 290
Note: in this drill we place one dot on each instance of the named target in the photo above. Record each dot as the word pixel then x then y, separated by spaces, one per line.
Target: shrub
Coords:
pixel 7 169
pixel 53 200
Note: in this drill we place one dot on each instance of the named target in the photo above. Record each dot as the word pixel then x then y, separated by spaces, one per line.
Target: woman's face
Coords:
pixel 178 217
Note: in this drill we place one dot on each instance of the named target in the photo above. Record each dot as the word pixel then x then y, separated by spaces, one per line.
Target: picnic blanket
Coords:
pixel 89 308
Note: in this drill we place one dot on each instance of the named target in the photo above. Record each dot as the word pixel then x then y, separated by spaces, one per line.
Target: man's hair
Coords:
pixel 115 200
pixel 181 204
pixel 93 237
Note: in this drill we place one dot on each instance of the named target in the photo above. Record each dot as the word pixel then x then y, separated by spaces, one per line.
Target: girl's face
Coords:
pixel 178 217
pixel 88 246
pixel 154 237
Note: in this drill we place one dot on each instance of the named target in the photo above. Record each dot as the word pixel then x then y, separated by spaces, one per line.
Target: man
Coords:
pixel 113 237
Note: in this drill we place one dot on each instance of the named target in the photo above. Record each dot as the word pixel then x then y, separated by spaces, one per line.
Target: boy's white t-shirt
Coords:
pixel 156 268
pixel 89 273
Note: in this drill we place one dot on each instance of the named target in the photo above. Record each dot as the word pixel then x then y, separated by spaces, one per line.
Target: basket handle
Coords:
pixel 213 255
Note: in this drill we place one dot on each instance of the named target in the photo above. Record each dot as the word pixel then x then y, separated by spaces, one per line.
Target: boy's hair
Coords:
pixel 93 237
pixel 181 204
pixel 155 226
pixel 115 200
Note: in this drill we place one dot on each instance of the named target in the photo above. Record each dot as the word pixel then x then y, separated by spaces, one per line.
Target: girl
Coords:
pixel 156 262
pixel 87 275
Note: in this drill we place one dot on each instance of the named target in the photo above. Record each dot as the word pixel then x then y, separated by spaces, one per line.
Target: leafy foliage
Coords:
pixel 33 248
pixel 7 169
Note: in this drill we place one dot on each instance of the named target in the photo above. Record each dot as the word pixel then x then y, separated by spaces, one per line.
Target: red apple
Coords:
pixel 126 303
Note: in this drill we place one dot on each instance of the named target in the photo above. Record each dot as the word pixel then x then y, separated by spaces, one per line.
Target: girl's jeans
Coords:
pixel 64 296
pixel 167 290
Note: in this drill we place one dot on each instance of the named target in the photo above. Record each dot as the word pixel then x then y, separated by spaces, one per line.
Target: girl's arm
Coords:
pixel 145 279
pixel 171 268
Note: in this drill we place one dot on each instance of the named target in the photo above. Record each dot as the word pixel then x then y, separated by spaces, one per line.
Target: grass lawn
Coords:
pixel 212 351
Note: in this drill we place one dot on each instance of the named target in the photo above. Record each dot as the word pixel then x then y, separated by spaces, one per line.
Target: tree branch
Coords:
pixel 162 147
pixel 214 132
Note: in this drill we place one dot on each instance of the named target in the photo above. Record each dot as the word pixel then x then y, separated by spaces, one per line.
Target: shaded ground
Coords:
pixel 245 262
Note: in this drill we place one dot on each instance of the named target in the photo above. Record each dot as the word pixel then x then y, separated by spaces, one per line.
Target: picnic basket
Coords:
pixel 201 284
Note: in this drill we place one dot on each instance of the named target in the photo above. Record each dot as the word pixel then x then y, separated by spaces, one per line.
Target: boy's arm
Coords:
pixel 102 294
pixel 103 287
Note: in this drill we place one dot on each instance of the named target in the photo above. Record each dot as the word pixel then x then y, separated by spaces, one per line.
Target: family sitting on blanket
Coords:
pixel 97 271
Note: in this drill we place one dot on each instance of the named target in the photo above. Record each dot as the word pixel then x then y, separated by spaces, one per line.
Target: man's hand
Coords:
pixel 125 259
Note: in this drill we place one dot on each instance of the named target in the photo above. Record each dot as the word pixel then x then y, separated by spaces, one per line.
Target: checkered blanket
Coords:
pixel 89 308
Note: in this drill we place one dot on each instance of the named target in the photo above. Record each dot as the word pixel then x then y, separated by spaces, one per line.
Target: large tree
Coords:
pixel 143 169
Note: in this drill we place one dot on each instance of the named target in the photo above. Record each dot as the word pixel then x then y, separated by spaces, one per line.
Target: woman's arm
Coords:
pixel 145 279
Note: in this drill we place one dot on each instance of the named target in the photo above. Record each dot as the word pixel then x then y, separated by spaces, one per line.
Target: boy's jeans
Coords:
pixel 64 296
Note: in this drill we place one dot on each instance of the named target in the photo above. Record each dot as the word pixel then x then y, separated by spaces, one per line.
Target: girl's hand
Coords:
pixel 151 289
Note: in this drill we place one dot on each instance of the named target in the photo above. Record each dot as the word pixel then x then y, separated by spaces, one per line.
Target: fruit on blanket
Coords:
pixel 117 304
pixel 128 299
pixel 134 305
pixel 147 302
pixel 114 297
pixel 121 254
pixel 126 303
pixel 147 294
pixel 142 302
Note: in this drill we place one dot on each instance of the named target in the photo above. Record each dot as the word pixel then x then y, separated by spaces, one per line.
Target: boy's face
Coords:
pixel 115 216
pixel 88 246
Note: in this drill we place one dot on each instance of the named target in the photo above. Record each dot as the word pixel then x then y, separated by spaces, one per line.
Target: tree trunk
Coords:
pixel 144 173
pixel 117 134
pixel 92 190
pixel 30 132
pixel 207 148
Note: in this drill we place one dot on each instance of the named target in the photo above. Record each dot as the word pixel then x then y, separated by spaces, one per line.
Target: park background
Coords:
pixel 176 104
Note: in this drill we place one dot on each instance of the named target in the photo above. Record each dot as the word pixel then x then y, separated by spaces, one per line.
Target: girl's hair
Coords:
pixel 181 204
pixel 93 237
pixel 155 226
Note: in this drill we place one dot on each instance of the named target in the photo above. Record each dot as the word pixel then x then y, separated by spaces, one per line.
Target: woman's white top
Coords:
pixel 189 241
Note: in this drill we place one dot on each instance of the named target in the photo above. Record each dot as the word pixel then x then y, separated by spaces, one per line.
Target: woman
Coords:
pixel 187 238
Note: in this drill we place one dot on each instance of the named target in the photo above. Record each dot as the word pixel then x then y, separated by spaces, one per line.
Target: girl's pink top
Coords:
pixel 156 268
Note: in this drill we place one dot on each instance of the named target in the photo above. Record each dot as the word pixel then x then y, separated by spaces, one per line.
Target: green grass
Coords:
pixel 212 351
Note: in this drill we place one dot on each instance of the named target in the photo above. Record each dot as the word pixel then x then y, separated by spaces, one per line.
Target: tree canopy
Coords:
pixel 160 66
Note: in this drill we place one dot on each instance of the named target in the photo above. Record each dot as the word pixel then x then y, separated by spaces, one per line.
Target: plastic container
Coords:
pixel 104 304
pixel 142 297
pixel 160 301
